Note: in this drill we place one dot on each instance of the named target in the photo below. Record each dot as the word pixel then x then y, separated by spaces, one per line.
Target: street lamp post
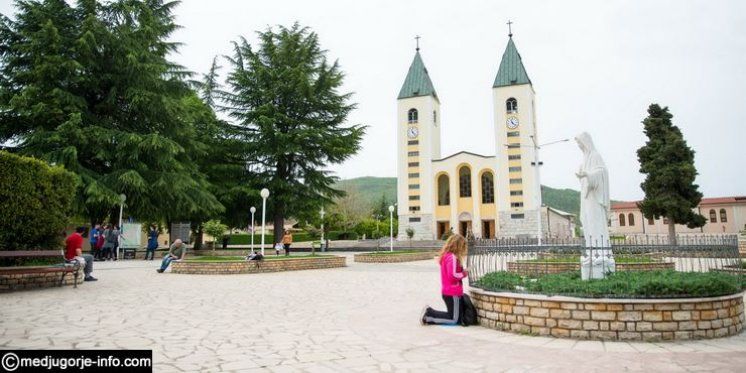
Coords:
pixel 253 210
pixel 322 228
pixel 536 163
pixel 122 198
pixel 264 193
pixel 391 228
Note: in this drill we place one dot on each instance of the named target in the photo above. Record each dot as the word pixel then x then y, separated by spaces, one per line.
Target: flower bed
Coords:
pixel 394 256
pixel 237 265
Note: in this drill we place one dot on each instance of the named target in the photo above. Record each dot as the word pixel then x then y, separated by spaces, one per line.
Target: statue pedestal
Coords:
pixel 595 264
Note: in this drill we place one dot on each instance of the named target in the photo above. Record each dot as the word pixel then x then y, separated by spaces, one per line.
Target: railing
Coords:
pixel 688 253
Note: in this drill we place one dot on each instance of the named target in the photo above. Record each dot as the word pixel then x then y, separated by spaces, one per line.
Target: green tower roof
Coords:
pixel 511 70
pixel 418 81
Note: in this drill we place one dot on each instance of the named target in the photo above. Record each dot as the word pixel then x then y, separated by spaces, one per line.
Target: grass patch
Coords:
pixel 399 252
pixel 576 259
pixel 212 258
pixel 648 284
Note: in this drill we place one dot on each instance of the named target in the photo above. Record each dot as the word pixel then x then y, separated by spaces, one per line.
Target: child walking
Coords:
pixel 452 272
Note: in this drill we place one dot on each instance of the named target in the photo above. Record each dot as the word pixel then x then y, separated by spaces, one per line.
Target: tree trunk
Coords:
pixel 671 232
pixel 279 222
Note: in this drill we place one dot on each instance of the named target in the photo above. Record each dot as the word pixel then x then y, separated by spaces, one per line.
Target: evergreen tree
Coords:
pixel 91 88
pixel 668 163
pixel 285 97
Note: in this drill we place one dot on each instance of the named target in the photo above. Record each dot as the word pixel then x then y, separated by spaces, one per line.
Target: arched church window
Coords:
pixel 444 191
pixel 631 220
pixel 511 105
pixel 723 216
pixel 488 188
pixel 621 220
pixel 464 181
pixel 412 116
pixel 713 216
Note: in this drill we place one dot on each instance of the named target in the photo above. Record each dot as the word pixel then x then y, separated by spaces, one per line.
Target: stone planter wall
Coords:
pixel 27 281
pixel 394 258
pixel 528 267
pixel 611 319
pixel 243 267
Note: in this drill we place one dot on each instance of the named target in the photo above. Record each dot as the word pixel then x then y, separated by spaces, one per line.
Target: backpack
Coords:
pixel 469 313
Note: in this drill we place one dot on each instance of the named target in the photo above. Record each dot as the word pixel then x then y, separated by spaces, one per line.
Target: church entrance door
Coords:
pixel 464 228
pixel 442 229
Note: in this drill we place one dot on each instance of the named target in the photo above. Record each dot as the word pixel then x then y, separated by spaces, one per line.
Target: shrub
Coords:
pixel 649 284
pixel 35 203
pixel 215 228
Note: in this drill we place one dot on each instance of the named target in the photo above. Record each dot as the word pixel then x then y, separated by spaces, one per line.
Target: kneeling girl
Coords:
pixel 452 272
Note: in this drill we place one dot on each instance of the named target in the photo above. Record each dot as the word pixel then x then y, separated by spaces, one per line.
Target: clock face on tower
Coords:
pixel 412 132
pixel 512 123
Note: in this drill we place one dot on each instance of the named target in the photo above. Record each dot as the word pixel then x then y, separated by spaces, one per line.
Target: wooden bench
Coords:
pixel 62 268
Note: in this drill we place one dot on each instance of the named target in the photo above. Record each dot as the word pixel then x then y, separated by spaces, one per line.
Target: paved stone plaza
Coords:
pixel 359 318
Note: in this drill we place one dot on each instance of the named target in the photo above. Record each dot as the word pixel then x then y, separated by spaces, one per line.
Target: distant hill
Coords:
pixel 372 188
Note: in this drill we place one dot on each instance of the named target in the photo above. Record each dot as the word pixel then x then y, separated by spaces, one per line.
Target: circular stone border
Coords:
pixel 611 319
pixel 532 267
pixel 236 267
pixel 394 258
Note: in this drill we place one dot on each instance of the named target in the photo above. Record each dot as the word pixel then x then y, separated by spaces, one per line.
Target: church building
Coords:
pixel 484 195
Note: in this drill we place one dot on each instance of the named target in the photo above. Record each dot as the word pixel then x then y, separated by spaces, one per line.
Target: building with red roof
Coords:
pixel 723 214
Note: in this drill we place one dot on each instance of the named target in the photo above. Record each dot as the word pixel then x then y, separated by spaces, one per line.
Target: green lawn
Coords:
pixel 399 252
pixel 647 284
pixel 210 258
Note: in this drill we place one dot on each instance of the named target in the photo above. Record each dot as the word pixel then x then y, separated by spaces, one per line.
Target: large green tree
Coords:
pixel 285 97
pixel 90 87
pixel 668 163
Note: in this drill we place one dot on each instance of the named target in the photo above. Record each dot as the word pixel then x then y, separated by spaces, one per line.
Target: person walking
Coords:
pixel 93 237
pixel 100 241
pixel 452 272
pixel 287 240
pixel 108 244
pixel 177 251
pixel 74 252
pixel 115 232
pixel 152 242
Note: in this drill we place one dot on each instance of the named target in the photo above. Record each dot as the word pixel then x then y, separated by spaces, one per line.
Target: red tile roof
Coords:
pixel 704 202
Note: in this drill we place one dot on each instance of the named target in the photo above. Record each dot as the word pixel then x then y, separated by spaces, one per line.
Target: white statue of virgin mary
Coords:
pixel 594 211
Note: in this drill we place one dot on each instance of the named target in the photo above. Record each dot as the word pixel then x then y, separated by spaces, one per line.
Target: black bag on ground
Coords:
pixel 468 313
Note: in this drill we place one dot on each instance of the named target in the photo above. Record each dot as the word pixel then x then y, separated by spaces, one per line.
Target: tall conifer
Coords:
pixel 668 163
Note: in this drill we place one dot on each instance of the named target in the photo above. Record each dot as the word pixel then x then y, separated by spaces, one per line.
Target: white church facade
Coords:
pixel 485 195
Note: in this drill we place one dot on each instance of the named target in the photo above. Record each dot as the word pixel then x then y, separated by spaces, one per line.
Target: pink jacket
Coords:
pixel 451 274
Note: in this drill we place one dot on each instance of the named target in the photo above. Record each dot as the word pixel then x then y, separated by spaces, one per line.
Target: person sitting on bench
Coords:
pixel 74 251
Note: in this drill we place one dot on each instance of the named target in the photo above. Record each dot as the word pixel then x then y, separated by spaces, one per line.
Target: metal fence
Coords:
pixel 688 253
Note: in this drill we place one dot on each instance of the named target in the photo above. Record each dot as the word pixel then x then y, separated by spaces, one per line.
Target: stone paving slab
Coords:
pixel 359 318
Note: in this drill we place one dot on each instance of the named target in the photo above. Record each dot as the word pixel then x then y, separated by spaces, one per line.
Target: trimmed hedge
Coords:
pixel 245 239
pixel 35 203
pixel 648 284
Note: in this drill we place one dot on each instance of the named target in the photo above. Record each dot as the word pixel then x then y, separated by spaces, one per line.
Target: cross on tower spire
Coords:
pixel 417 40
pixel 510 31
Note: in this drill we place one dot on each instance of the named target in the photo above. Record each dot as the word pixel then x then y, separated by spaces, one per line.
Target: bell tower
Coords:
pixel 418 143
pixel 515 130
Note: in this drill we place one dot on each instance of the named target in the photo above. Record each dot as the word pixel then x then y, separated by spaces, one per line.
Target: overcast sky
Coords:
pixel 595 66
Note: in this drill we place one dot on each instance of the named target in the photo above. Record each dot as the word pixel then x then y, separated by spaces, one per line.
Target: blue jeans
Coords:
pixel 149 252
pixel 166 261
